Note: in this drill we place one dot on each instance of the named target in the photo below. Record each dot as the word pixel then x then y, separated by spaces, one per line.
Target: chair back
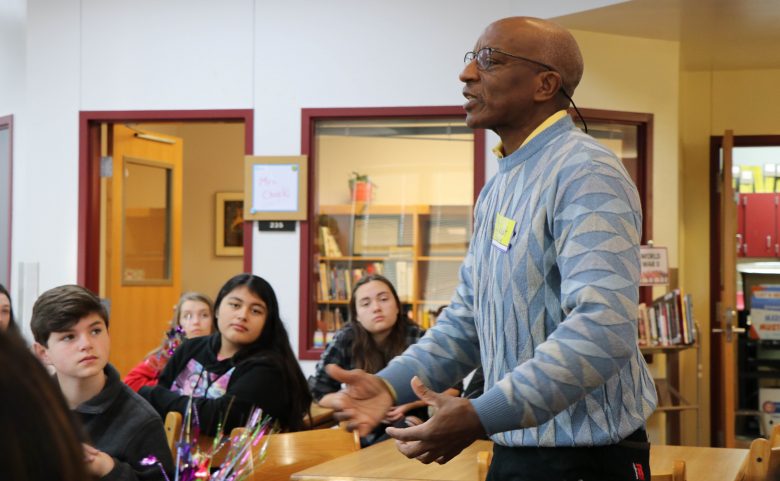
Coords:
pixel 484 458
pixel 763 461
pixel 677 474
pixel 173 423
pixel 288 453
pixel 172 430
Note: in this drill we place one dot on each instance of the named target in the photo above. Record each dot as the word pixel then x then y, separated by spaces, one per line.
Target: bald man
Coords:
pixel 548 292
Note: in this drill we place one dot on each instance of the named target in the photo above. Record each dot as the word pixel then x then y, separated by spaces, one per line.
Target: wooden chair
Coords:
pixel 484 458
pixel 288 453
pixel 173 423
pixel 677 474
pixel 763 460
pixel 172 430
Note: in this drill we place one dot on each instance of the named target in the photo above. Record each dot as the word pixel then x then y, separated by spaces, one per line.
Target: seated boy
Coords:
pixel 70 327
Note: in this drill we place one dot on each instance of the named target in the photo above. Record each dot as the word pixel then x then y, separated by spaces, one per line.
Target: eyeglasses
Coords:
pixel 484 58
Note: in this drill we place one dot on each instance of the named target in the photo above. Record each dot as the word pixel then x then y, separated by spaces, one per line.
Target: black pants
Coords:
pixel 629 460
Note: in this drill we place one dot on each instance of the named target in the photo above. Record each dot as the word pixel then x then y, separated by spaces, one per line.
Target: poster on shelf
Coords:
pixel 769 401
pixel 655 266
pixel 765 311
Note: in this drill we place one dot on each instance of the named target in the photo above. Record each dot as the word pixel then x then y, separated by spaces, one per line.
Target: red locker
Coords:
pixel 760 219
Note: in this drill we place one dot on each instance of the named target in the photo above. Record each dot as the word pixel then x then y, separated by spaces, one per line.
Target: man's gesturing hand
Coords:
pixel 453 428
pixel 364 402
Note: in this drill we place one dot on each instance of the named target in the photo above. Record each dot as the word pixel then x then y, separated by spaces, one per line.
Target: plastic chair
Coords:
pixel 288 453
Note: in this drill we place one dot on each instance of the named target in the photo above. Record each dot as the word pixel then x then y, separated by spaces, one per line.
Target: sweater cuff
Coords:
pixel 494 412
pixel 399 378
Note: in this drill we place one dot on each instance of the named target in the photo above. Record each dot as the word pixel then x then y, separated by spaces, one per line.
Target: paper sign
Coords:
pixel 765 311
pixel 275 188
pixel 655 266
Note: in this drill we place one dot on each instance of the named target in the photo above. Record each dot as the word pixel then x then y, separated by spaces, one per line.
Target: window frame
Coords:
pixel 7 123
pixel 309 118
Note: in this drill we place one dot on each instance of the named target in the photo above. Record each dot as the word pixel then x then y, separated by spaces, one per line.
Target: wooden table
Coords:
pixel 321 417
pixel 700 463
pixel 383 462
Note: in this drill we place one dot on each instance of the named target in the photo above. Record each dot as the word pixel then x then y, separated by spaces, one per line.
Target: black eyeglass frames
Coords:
pixel 484 59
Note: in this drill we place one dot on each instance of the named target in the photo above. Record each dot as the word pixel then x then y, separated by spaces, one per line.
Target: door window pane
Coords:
pixel 146 223
pixel 621 139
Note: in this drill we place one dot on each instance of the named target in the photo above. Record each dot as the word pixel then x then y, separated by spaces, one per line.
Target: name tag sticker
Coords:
pixel 503 230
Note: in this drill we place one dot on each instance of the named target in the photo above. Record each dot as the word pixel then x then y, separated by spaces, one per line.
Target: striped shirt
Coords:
pixel 552 317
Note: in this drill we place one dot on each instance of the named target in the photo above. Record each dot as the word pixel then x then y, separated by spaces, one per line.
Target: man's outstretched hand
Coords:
pixel 364 402
pixel 452 429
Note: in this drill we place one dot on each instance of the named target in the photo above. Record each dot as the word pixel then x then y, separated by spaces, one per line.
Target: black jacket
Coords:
pixel 120 423
pixel 253 382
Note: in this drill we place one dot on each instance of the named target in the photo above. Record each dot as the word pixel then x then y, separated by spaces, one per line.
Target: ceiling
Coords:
pixel 713 34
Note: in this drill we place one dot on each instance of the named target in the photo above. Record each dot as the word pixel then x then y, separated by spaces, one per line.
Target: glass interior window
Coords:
pixel 146 217
pixel 394 197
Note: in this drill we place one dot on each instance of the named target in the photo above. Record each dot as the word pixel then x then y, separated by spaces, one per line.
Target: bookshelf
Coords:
pixel 666 329
pixel 671 402
pixel 419 248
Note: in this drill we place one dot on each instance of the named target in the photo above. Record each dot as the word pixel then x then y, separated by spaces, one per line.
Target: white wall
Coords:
pixel 276 57
pixel 13 19
pixel 46 144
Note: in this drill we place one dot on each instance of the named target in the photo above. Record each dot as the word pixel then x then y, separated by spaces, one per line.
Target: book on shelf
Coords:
pixel 668 321
pixel 336 280
pixel 329 244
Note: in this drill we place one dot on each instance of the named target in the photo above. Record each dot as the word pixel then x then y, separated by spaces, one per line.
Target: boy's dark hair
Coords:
pixel 58 309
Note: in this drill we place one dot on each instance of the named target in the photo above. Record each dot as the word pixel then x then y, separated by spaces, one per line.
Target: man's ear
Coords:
pixel 549 85
pixel 42 353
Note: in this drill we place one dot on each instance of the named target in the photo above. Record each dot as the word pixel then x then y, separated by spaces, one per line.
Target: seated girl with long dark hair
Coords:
pixel 378 332
pixel 248 363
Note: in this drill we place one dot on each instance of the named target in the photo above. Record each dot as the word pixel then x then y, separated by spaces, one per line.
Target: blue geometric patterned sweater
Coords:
pixel 552 319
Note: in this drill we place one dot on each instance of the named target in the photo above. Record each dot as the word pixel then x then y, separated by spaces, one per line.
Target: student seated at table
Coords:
pixel 41 440
pixel 378 332
pixel 193 317
pixel 247 363
pixel 70 326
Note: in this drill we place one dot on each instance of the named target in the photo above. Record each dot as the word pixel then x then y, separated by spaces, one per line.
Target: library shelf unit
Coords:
pixel 670 401
pixel 419 248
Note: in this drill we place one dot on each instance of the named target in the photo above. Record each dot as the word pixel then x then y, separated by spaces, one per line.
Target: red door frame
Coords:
pixel 7 122
pixel 308 119
pixel 89 175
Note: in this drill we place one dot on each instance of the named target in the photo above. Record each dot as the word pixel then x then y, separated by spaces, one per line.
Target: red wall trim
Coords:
pixel 89 174
pixel 308 118
pixel 7 122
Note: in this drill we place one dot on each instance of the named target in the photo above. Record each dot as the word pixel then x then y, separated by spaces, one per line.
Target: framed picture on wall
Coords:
pixel 229 225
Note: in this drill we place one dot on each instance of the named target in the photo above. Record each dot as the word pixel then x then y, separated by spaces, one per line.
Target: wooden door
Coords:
pixel 142 275
pixel 727 313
